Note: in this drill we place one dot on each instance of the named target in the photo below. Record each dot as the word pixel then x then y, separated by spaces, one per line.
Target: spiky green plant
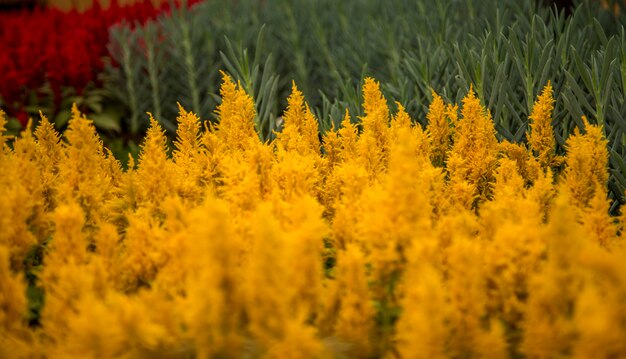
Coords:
pixel 507 50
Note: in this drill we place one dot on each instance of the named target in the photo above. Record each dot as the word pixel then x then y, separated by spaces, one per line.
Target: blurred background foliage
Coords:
pixel 506 49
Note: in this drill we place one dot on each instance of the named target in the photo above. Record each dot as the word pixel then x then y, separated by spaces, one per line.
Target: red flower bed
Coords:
pixel 64 49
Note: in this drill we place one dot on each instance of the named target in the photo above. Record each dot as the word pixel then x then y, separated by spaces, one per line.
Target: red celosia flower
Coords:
pixel 64 49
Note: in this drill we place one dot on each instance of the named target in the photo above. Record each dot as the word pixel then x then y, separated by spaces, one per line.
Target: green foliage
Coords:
pixel 506 49
pixel 260 83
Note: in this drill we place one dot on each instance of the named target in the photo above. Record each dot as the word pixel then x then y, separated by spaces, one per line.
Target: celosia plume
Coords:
pixel 396 241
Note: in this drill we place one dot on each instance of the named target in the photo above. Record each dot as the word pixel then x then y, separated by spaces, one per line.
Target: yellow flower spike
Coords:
pixel 401 120
pixel 23 220
pixel 300 131
pixel 236 116
pixel 586 162
pixel 331 145
pixel 85 174
pixel 597 221
pixel 528 166
pixel 468 299
pixel 376 119
pixel 416 137
pixel 48 142
pixel 355 322
pixel 187 135
pixel 452 112
pixel 212 311
pixel 439 129
pixel 373 99
pixel 547 325
pixel 421 331
pixel 155 174
pixel 373 144
pixel 310 130
pixel 189 159
pixel 540 132
pixel 280 255
pixel 473 156
pixel 599 305
pixel 349 135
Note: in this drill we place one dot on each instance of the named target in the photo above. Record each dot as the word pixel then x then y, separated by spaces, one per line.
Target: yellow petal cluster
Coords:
pixel 380 239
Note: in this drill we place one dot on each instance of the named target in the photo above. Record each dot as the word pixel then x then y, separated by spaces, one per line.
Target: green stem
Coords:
pixel 191 68
pixel 130 86
pixel 153 75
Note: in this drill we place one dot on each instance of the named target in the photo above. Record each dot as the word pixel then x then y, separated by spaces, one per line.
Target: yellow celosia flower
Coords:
pixel 331 145
pixel 16 339
pixel 586 163
pixel 300 342
pixel 473 156
pixel 188 157
pixel 22 205
pixel 236 116
pixel 395 242
pixel 439 130
pixel 154 172
pixel 214 309
pixel 346 184
pixel 547 327
pixel 373 142
pixel 599 310
pixel 246 177
pixel 348 134
pixel 283 252
pixel 468 299
pixel 12 301
pixel 397 211
pixel 540 132
pixel 85 174
pixel 421 331
pixel 527 165
pixel 143 253
pixel 49 155
pixel 355 322
pixel 400 121
pixel 300 132
pixel 597 221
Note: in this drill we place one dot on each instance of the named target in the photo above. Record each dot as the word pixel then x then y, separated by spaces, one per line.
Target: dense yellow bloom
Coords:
pixel 548 327
pixel 187 156
pixel 586 164
pixel 373 143
pixel 154 172
pixel 541 134
pixel 389 242
pixel 331 146
pixel 300 133
pixel 348 133
pixel 355 322
pixel 439 130
pixel 473 157
pixel 22 201
pixel 597 323
pixel 12 301
pixel 421 330
pixel 236 116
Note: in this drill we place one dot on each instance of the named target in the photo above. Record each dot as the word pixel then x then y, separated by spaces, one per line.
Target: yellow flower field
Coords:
pixel 382 240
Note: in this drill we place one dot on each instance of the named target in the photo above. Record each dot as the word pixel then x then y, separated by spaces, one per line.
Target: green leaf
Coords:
pixel 61 118
pixel 106 121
